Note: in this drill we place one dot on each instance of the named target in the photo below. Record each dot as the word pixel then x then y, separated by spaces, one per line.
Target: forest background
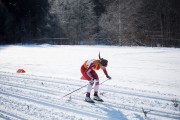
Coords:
pixel 79 22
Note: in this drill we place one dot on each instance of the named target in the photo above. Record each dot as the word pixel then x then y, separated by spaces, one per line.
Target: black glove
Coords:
pixel 108 77
pixel 95 80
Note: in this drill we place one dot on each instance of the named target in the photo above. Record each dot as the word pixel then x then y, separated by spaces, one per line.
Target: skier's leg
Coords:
pixel 87 74
pixel 89 87
pixel 96 87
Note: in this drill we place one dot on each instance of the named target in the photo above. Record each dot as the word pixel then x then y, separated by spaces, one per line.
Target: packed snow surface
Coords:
pixel 142 79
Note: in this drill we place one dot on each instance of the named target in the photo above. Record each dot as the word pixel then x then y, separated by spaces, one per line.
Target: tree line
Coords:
pixel 113 22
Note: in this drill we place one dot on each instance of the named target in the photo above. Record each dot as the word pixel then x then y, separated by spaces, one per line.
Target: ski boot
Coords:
pixel 97 98
pixel 88 99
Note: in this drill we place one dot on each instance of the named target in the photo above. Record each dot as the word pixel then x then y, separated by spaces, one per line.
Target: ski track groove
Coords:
pixel 52 80
pixel 47 103
pixel 54 105
pixel 110 104
pixel 33 110
pixel 42 90
pixel 7 115
pixel 79 85
pixel 121 105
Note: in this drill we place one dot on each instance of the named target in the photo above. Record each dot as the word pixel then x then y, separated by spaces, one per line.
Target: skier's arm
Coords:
pixel 105 72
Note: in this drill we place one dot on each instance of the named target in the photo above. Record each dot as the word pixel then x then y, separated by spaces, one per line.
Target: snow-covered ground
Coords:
pixel 147 78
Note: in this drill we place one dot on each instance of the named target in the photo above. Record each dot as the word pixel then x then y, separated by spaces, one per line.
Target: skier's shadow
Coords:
pixel 112 113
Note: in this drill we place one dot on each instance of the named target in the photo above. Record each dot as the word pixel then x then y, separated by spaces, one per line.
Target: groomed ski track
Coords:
pixel 24 96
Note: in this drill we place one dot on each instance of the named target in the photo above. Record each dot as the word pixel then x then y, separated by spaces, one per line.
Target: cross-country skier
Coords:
pixel 88 73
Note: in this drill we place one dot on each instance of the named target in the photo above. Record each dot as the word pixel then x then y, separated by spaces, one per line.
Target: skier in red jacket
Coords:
pixel 88 72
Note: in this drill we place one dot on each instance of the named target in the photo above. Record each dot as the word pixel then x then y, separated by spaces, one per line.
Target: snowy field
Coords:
pixel 147 78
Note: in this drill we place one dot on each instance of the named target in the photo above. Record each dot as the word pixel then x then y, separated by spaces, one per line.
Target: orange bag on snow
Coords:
pixel 21 71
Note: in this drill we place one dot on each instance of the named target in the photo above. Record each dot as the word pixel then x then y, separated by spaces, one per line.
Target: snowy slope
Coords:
pixel 141 78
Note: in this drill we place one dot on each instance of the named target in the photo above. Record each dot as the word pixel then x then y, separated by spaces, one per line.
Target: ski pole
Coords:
pixel 104 81
pixel 99 84
pixel 81 88
pixel 74 91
